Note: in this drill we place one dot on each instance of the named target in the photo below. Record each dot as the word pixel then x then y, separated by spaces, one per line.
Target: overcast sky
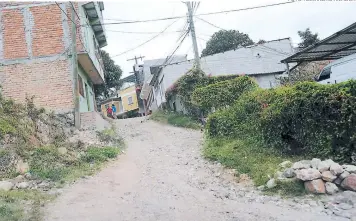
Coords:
pixel 270 23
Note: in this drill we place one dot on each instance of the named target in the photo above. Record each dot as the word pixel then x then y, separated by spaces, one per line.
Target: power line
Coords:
pixel 245 9
pixel 146 41
pixel 65 13
pixel 138 32
pixel 175 50
pixel 203 14
pixel 211 24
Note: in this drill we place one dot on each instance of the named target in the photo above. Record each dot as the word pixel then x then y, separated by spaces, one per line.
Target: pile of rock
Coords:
pixel 26 181
pixel 321 176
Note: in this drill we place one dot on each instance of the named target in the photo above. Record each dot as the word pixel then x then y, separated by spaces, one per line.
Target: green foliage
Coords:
pixel 225 40
pixel 94 154
pixel 184 87
pixel 308 38
pixel 189 82
pixel 222 94
pixel 306 119
pixel 112 73
pixel 47 163
pixel 175 119
pixel 10 212
pixel 244 155
pixel 13 203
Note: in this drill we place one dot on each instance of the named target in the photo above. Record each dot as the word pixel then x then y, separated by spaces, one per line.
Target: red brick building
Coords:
pixel 35 53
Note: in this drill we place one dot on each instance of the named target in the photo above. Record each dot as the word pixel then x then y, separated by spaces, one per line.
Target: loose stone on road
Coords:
pixel 162 177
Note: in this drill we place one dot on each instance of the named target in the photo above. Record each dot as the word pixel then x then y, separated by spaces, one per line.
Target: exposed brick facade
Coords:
pixel 35 41
pixel 50 82
pixel 14 34
pixel 48 30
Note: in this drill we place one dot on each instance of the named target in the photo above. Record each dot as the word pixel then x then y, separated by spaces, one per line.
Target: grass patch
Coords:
pixel 94 154
pixel 22 205
pixel 47 163
pixel 176 119
pixel 244 156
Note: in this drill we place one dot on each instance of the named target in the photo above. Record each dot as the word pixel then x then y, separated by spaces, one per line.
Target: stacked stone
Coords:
pixel 322 176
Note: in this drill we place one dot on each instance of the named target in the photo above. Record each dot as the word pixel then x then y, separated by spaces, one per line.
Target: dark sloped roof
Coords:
pixel 338 45
pixel 130 78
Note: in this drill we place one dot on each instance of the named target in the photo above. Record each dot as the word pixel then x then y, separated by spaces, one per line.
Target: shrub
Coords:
pixel 223 93
pixel 306 119
pixel 313 119
pixel 189 82
pixel 47 163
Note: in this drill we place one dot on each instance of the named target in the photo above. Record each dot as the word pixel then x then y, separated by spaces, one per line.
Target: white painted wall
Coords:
pixel 266 80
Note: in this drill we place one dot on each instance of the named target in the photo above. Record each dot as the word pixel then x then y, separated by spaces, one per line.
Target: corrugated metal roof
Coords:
pixel 338 45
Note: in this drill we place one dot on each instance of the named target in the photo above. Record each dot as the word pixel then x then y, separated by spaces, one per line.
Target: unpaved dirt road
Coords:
pixel 162 177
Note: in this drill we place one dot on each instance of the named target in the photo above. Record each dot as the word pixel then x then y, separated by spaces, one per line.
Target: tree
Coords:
pixel 112 74
pixel 261 41
pixel 308 38
pixel 226 40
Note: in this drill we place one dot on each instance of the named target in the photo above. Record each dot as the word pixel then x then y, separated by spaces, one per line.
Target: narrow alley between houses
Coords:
pixel 161 176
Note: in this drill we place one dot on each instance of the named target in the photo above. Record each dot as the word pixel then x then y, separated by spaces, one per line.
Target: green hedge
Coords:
pixel 306 119
pixel 223 93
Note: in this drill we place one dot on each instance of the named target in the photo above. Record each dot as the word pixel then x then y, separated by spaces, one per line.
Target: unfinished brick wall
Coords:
pixel 37 30
pixel 14 34
pixel 50 82
pixel 35 43
pixel 47 34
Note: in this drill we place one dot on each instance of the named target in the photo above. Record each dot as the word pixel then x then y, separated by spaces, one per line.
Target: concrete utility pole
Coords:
pixel 135 72
pixel 135 58
pixel 192 32
pixel 75 70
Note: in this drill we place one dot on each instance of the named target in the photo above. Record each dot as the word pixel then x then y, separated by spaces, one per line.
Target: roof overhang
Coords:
pixel 338 45
pixel 89 67
pixel 93 10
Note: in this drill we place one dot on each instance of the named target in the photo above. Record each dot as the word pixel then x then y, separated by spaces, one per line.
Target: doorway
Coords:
pixel 87 97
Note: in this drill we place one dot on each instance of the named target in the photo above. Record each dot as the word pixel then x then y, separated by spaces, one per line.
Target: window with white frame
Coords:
pixel 129 99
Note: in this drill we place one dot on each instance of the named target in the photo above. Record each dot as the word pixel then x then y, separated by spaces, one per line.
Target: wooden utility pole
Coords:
pixel 75 70
pixel 192 33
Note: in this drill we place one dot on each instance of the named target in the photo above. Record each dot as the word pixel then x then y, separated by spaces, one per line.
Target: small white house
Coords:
pixel 339 70
pixel 260 61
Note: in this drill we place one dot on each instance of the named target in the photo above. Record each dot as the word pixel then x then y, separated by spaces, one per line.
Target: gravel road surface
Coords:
pixel 162 177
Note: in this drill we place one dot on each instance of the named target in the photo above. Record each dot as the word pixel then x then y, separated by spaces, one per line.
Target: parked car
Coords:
pixel 339 70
